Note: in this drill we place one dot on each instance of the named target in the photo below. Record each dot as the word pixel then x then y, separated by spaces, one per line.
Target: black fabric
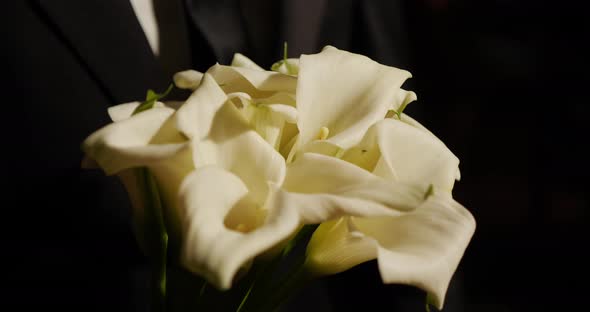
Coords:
pixel 68 230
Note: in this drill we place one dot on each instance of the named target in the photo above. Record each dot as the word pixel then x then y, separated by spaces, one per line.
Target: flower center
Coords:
pixel 323 134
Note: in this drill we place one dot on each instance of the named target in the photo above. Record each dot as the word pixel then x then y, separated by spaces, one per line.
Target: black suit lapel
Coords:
pixel 108 39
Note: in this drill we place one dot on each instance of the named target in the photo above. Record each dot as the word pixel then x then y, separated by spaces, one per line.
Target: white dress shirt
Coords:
pixel 164 25
pixel 144 10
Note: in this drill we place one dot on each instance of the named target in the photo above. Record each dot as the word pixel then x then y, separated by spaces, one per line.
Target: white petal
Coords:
pixel 413 156
pixel 412 122
pixel 222 136
pixel 254 82
pixel 122 111
pixel 345 92
pixel 197 116
pixel 326 188
pixel 422 248
pixel 240 99
pixel 188 79
pixel 145 139
pixel 246 155
pixel 269 116
pixel 241 60
pixel 291 69
pixel 268 124
pixel 315 173
pixel 334 248
pixel 285 98
pixel 125 110
pixel 284 112
pixel 212 249
pixel 403 98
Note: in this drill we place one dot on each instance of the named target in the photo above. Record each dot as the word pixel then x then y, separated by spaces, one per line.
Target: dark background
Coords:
pixel 502 83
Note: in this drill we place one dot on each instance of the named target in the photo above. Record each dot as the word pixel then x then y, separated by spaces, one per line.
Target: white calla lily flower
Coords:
pixel 252 155
pixel 240 60
pixel 421 248
pixel 397 151
pixel 344 93
pixel 188 79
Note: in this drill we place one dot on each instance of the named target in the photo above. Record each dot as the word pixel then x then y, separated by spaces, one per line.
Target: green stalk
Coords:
pixel 154 228
pixel 156 237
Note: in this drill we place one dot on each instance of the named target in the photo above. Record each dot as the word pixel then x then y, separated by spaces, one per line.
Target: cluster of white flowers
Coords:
pixel 252 155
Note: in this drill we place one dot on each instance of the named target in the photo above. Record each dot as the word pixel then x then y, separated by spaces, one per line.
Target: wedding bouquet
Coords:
pixel 316 153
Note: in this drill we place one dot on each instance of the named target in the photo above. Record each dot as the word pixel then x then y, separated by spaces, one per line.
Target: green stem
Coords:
pixel 156 237
pixel 245 299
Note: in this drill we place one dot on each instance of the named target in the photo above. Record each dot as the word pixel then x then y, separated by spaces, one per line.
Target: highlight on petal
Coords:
pixel 414 123
pixel 325 188
pixel 268 121
pixel 123 111
pixel 188 79
pixel 198 115
pixel 241 60
pixel 222 136
pixel 421 248
pixel 247 156
pixel 273 117
pixel 128 143
pixel 346 93
pixel 210 247
pixel 254 82
pixel 413 156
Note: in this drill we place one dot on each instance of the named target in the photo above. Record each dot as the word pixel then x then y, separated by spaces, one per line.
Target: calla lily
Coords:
pixel 206 132
pixel 265 98
pixel 437 229
pixel 252 155
pixel 420 248
pixel 347 122
pixel 340 95
pixel 148 139
pixel 188 79
pixel 398 151
pixel 241 60
pixel 226 225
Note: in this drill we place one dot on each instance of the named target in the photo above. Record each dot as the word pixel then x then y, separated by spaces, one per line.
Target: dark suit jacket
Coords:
pixel 65 62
